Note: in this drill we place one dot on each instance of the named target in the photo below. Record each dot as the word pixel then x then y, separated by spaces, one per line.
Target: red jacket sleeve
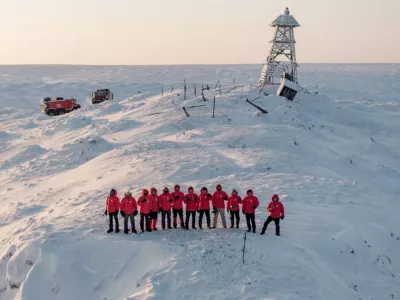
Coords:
pixel 213 199
pixel 228 205
pixel 134 204
pixel 185 199
pixel 240 201
pixel 257 202
pixel 269 207
pixel 226 196
pixel 107 203
pixel 118 203
pixel 122 206
pixel 139 202
pixel 282 209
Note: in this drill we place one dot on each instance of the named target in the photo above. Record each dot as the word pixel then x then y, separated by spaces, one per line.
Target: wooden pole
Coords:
pixel 184 109
pixel 184 90
pixel 214 107
pixel 256 106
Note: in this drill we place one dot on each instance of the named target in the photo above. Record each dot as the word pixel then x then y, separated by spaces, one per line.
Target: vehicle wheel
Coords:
pixel 61 112
pixel 51 113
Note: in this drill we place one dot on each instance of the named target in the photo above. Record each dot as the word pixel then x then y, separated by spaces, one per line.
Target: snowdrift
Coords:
pixel 332 155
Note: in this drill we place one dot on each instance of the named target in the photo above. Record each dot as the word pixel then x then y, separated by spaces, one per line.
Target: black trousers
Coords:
pixel 235 215
pixel 188 214
pixel 277 226
pixel 177 212
pixel 207 213
pixel 166 213
pixel 153 215
pixel 143 218
pixel 113 216
pixel 251 221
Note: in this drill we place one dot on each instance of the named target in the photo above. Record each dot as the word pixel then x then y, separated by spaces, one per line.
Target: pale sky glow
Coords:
pixel 193 32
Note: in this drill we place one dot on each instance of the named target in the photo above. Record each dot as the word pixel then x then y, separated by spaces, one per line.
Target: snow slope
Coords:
pixel 332 154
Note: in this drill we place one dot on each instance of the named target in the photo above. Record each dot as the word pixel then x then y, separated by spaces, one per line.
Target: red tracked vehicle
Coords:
pixel 58 106
pixel 101 96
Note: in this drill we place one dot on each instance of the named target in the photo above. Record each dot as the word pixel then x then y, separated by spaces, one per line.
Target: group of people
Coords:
pixel 150 205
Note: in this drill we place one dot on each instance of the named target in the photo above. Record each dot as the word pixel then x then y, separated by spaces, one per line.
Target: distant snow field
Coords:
pixel 333 156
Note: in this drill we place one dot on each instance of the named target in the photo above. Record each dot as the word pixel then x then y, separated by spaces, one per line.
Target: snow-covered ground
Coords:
pixel 333 155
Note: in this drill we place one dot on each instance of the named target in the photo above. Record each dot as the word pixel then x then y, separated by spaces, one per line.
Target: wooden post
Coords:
pixel 184 109
pixel 213 107
pixel 256 106
pixel 184 90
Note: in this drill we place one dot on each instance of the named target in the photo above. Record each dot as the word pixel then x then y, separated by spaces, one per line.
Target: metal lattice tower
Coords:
pixel 282 56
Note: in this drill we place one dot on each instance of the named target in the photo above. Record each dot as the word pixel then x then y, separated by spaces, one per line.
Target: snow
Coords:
pixel 332 155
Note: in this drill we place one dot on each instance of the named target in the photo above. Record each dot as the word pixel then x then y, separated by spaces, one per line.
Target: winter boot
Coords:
pixel 117 230
pixel 169 227
pixel 109 230
pixel 194 227
pixel 134 231
pixel 237 226
pixel 126 231
pixel 231 226
pixel 174 223
pixel 248 230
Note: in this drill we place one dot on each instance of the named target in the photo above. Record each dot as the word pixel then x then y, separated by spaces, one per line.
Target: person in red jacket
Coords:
pixel 233 207
pixel 218 201
pixel 145 206
pixel 204 207
pixel 166 200
pixel 276 212
pixel 250 204
pixel 112 208
pixel 177 205
pixel 191 200
pixel 129 211
pixel 154 207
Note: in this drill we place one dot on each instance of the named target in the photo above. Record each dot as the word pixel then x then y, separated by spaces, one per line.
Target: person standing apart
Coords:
pixel 112 209
pixel 276 213
pixel 191 201
pixel 204 207
pixel 218 201
pixel 166 200
pixel 129 211
pixel 250 204
pixel 233 207
pixel 177 205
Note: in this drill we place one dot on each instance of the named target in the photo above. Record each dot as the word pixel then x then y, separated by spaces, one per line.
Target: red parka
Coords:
pixel 112 203
pixel 276 208
pixel 144 206
pixel 128 205
pixel 204 201
pixel 248 203
pixel 154 200
pixel 178 198
pixel 166 201
pixel 219 198
pixel 191 200
pixel 233 203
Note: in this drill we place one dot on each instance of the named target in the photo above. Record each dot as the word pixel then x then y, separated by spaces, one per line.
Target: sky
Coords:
pixel 153 32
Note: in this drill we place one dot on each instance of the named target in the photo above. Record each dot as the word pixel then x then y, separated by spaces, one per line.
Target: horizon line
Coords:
pixel 194 64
